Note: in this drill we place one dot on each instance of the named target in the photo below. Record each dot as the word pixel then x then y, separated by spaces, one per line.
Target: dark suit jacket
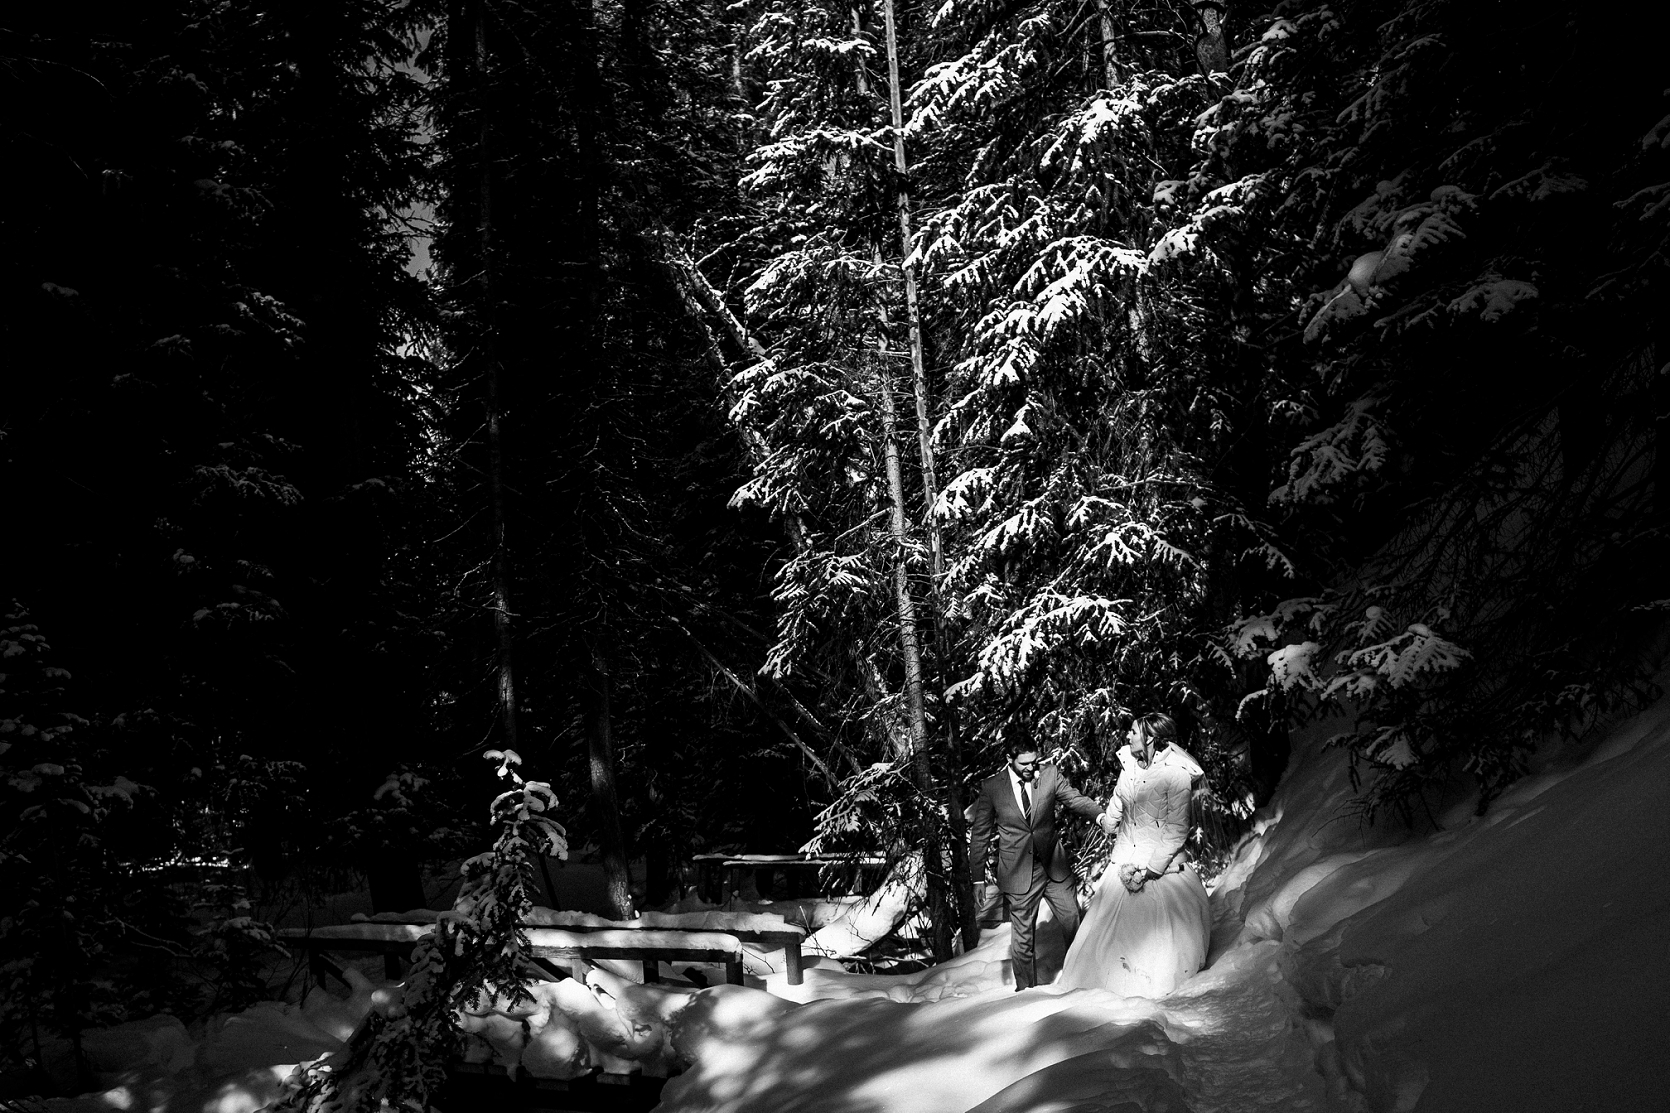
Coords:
pixel 1022 839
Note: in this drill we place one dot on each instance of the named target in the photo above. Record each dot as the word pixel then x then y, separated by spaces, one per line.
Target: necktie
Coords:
pixel 1026 800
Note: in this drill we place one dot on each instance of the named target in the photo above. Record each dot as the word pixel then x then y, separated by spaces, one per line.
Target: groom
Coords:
pixel 1018 804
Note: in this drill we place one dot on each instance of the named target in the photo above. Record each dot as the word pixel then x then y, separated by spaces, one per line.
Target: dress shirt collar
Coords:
pixel 1015 787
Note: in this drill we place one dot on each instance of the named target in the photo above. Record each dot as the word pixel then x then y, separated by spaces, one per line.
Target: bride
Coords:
pixel 1147 927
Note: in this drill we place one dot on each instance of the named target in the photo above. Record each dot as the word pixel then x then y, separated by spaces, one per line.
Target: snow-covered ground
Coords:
pixel 1518 961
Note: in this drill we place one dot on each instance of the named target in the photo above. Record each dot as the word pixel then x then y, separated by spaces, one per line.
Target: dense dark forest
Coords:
pixel 755 415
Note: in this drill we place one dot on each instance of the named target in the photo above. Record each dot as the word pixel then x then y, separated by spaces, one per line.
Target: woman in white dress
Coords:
pixel 1148 924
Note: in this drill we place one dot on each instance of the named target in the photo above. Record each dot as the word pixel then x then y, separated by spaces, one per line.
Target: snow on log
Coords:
pixel 862 925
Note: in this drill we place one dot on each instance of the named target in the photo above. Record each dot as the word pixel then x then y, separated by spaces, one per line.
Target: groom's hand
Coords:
pixel 1106 823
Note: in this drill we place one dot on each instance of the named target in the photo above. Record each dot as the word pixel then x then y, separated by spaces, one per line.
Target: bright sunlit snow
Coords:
pixel 1514 961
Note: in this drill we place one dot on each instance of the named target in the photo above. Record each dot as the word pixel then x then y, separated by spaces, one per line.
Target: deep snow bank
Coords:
pixel 1514 961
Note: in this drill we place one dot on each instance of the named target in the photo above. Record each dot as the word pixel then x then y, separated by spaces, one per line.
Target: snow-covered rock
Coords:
pixel 156 1045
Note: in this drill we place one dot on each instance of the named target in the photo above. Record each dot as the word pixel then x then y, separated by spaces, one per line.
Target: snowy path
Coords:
pixel 1238 1041
pixel 1226 1042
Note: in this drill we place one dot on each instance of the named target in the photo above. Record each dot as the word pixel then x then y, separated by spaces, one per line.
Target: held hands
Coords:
pixel 1106 823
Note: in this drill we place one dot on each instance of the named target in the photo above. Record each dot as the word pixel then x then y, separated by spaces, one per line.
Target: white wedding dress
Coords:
pixel 1145 944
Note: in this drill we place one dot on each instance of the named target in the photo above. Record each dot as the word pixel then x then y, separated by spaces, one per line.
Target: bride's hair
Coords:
pixel 1158 726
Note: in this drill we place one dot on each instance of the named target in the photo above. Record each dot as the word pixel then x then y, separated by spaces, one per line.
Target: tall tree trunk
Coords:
pixel 915 750
pixel 1110 57
pixel 502 616
pixel 905 601
pixel 1212 43
pixel 501 571
pixel 966 906
pixel 585 93
pixel 962 892
pixel 504 669
pixel 861 78
pixel 586 98
pixel 600 754
pixel 913 313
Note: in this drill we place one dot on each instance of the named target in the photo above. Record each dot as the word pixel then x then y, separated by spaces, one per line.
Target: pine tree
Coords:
pixel 607 134
pixel 1438 249
pixel 207 421
pixel 1099 538
pixel 840 459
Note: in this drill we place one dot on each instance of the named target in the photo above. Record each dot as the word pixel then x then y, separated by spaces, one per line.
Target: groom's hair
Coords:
pixel 1020 745
pixel 1158 726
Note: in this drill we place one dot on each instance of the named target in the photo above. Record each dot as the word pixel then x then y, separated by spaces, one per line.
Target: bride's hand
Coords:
pixel 1133 876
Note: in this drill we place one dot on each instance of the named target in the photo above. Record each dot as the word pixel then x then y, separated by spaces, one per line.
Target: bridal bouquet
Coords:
pixel 1133 876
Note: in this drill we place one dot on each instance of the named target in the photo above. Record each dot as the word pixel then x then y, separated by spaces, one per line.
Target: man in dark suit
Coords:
pixel 1018 805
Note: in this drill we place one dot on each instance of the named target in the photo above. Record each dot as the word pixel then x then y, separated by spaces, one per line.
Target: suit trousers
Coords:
pixel 1023 920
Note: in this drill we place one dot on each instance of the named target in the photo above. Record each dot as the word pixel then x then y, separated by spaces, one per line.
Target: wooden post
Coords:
pixel 597 722
pixel 733 882
pixel 792 964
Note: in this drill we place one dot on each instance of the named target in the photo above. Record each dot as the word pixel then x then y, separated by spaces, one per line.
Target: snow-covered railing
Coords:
pixel 769 931
pixel 633 941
